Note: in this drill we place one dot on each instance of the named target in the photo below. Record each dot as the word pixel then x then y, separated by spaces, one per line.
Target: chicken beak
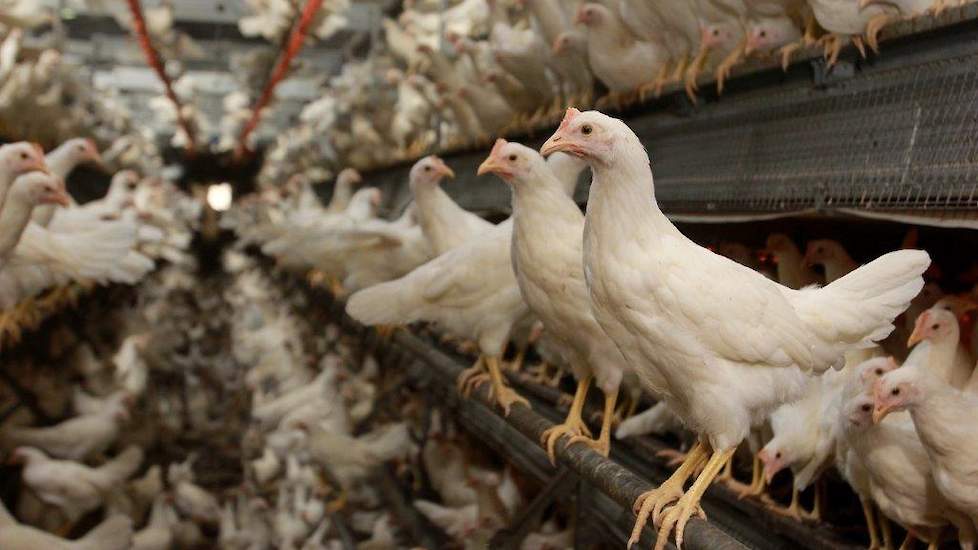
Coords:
pixel 493 163
pixel 879 413
pixel 558 143
pixel 920 331
pixel 880 407
pixel 444 170
pixel 488 166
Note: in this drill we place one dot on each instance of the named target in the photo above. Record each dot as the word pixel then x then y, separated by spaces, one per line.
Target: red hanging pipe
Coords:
pixel 289 51
pixel 154 61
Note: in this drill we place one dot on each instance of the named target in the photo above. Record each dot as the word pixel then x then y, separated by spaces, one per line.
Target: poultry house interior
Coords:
pixel 488 274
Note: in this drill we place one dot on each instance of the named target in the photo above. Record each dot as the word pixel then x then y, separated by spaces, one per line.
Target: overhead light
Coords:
pixel 219 196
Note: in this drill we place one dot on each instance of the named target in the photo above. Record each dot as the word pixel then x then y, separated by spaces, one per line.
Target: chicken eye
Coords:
pixel 763 34
pixel 935 326
pixel 23 156
pixel 896 391
pixel 427 169
pixel 879 372
pixel 586 129
pixel 512 158
pixel 866 407
pixel 777 454
pixel 716 32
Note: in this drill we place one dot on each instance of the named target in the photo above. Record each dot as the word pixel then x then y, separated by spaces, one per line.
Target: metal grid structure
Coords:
pixel 894 134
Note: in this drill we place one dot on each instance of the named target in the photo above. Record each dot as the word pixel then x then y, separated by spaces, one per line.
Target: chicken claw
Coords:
pixel 651 503
pixel 550 437
pixel 504 396
pixel 787 52
pixel 469 381
pixel 574 425
pixel 472 375
pixel 689 504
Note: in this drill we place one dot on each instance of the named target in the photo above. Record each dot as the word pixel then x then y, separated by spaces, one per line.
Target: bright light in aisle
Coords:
pixel 219 196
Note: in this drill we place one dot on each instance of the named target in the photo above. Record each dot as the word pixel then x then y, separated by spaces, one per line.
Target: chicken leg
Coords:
pixel 502 394
pixel 874 541
pixel 574 423
pixel 757 483
pixel 729 62
pixel 689 504
pixel 651 503
pixel 694 70
pixel 873 28
pixel 472 377
pixel 601 445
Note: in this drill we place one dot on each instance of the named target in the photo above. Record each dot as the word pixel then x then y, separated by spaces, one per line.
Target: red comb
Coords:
pixel 568 117
pixel 497 146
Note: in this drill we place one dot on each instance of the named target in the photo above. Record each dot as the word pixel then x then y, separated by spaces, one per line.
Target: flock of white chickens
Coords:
pixel 485 68
pixel 801 373
pixel 864 369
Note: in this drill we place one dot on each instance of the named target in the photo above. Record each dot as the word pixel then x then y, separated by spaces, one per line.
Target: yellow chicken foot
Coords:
pixel 673 457
pixel 504 396
pixel 832 46
pixel 336 287
pixel 651 503
pixel 887 531
pixel 656 85
pixel 857 41
pixel 601 445
pixel 873 28
pixel 816 514
pixel 574 423
pixel 689 504
pixel 787 52
pixel 733 58
pixel 874 541
pixel 794 509
pixel 7 326
pixel 472 377
pixel 693 72
pixel 811 27
pixel 386 331
pixel 516 365
pixel 757 484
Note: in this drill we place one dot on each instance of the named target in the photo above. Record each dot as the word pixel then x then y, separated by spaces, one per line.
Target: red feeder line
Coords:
pixel 154 61
pixel 289 51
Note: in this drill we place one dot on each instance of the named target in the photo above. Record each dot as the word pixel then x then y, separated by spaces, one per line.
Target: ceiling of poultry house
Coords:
pixel 207 55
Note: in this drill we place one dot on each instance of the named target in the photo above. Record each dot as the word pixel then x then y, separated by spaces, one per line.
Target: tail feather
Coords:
pixel 858 310
pixel 390 303
pixel 114 533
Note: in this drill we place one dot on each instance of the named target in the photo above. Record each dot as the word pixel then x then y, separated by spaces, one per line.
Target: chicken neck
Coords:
pixel 14 217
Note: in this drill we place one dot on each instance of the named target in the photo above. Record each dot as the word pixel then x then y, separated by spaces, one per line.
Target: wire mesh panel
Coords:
pixel 897 135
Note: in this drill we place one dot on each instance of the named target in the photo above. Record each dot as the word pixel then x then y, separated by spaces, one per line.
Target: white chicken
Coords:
pixel 444 223
pixel 546 251
pixel 115 533
pixel 942 417
pixel 74 488
pixel 77 438
pixel 656 294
